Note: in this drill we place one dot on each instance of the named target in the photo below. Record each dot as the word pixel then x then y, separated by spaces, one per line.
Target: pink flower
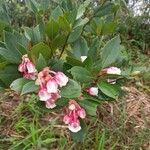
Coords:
pixel 74 112
pixel 93 91
pixel 48 82
pixel 61 79
pixel 111 70
pixel 27 68
pixel 44 95
pixel 52 86
pixel 50 103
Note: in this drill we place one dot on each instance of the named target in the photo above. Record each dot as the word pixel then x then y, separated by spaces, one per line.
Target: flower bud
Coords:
pixel 93 91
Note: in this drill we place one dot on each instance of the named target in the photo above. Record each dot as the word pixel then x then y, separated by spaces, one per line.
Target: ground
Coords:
pixel 125 122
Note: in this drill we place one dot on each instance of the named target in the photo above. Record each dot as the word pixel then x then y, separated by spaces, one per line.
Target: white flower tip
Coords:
pixel 83 58
pixel 50 105
pixel 74 129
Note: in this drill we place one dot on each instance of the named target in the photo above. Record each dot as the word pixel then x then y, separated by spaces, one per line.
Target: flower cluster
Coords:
pixel 27 68
pixel 74 112
pixel 48 82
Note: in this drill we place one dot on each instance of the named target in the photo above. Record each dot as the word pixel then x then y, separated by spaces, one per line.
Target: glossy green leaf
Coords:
pixel 9 74
pixel 109 89
pixel 33 34
pixel 80 136
pixel 80 48
pixel 32 5
pixel 75 34
pixel 71 90
pixel 81 74
pixel 90 106
pixel 17 84
pixel 56 13
pixel 110 51
pixel 41 62
pixel 29 88
pixel 52 29
pixel 40 48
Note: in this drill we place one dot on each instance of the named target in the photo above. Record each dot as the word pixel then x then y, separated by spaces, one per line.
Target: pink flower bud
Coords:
pixel 21 68
pixel 44 95
pixel 93 91
pixel 112 70
pixel 66 119
pixel 52 86
pixel 81 113
pixel 61 79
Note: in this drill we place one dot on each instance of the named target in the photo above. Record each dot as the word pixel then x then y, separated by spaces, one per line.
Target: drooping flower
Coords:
pixel 52 86
pixel 92 91
pixel 74 112
pixel 61 79
pixel 44 95
pixel 27 68
pixel 50 103
pixel 111 70
pixel 49 82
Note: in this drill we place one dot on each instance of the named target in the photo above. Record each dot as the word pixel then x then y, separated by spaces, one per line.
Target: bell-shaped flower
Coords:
pixel 44 95
pixel 74 126
pixel 74 112
pixel 52 86
pixel 50 103
pixel 61 79
pixel 93 91
pixel 27 68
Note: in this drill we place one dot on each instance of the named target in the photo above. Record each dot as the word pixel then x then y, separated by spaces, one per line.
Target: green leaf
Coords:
pixel 9 56
pixel 17 84
pixel 75 34
pixel 32 5
pixel 23 86
pixel 40 48
pixel 82 9
pixel 110 52
pixel 81 22
pixel 33 34
pixel 81 74
pixel 71 90
pixel 73 61
pixel 90 106
pixel 29 88
pixel 101 141
pixel 9 74
pixel 80 136
pixel 64 24
pixel 93 50
pixel 52 29
pixel 80 48
pixel 56 13
pixel 12 52
pixel 41 62
pixel 109 89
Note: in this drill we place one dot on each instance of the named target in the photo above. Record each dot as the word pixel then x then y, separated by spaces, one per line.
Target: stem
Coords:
pixel 63 48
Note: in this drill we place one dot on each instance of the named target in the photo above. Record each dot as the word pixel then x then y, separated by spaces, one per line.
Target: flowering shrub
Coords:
pixel 67 60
